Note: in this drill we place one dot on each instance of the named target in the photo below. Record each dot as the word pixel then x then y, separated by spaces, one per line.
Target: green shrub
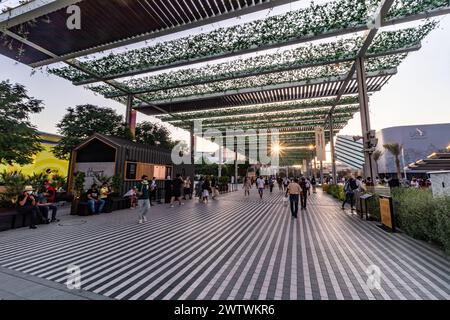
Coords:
pixel 421 216
pixel 14 183
pixel 336 191
pixel 416 213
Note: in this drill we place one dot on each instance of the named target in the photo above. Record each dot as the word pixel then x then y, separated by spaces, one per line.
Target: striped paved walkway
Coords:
pixel 233 248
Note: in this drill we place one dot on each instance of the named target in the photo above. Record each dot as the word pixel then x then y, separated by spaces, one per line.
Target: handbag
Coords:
pixel 285 201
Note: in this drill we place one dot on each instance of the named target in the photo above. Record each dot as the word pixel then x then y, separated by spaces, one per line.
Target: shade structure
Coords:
pixel 283 90
pixel 435 162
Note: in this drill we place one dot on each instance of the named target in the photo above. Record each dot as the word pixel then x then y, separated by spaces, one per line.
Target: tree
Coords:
pixel 83 121
pixel 19 140
pixel 395 149
pixel 153 134
pixel 376 156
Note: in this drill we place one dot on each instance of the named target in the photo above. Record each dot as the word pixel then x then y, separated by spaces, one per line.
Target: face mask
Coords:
pixel 30 192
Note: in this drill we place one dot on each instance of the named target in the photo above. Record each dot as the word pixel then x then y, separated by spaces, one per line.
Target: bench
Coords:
pixel 111 205
pixel 12 219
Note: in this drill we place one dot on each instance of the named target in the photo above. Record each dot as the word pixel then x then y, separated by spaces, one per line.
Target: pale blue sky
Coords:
pixel 419 94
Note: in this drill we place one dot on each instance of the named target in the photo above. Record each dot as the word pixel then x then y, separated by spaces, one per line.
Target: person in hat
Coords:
pixel 26 204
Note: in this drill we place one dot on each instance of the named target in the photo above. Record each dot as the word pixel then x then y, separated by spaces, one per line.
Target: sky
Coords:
pixel 418 94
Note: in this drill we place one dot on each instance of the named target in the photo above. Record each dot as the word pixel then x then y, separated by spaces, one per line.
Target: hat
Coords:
pixel 28 188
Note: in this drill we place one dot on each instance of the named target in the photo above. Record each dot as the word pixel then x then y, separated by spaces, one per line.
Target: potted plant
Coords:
pixel 13 183
pixel 78 188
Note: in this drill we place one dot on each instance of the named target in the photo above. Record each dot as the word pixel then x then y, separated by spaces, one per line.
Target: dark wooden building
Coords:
pixel 102 155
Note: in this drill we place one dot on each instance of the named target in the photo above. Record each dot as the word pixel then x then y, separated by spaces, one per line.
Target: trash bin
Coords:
pixel 364 204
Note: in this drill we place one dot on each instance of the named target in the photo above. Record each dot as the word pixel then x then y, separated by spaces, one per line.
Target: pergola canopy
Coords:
pixel 293 90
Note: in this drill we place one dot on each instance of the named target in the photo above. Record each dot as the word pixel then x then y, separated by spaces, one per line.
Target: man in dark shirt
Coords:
pixel 95 204
pixel 26 203
pixel 304 193
pixel 177 185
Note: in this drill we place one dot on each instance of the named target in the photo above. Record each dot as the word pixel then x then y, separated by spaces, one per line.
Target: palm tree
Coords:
pixel 395 149
pixel 376 156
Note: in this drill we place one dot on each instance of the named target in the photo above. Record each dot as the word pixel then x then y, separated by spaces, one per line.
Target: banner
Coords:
pixel 320 144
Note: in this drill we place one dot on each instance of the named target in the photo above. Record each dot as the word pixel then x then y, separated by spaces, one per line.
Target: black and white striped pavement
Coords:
pixel 232 248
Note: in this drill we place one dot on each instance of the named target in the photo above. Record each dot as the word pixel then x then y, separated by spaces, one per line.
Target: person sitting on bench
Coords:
pixel 94 203
pixel 45 205
pixel 26 204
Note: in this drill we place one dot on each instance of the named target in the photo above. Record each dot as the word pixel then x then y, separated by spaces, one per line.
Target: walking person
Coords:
pixel 247 186
pixel 285 183
pixel 198 189
pixel 304 193
pixel 177 185
pixel 271 182
pixel 294 190
pixel 308 186
pixel 314 184
pixel 187 188
pixel 260 184
pixel 206 188
pixel 153 190
pixel 280 184
pixel 167 190
pixel 143 190
pixel 350 187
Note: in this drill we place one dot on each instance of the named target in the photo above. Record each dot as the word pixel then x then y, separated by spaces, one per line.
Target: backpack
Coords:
pixel 353 185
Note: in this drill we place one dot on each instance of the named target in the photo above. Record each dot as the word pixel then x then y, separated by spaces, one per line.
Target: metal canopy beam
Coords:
pixel 168 30
pixel 354 29
pixel 76 64
pixel 256 73
pixel 32 10
pixel 302 83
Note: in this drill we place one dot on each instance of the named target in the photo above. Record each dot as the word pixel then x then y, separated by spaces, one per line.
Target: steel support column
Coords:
pixel 235 166
pixel 192 145
pixel 321 172
pixel 220 159
pixel 131 115
pixel 369 163
pixel 333 156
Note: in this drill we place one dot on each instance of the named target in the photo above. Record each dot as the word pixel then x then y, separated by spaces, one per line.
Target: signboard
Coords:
pixel 387 213
pixel 320 144
pixel 94 169
pixel 440 183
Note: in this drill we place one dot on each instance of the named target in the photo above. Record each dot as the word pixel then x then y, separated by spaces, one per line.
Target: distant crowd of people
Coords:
pixel 296 190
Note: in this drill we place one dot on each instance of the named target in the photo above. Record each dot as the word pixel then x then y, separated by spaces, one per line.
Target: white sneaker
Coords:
pixel 171 205
pixel 141 221
pixel 145 219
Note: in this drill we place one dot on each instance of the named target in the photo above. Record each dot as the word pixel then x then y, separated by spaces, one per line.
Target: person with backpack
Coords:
pixel 350 187
pixel 271 183
pixel 304 194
